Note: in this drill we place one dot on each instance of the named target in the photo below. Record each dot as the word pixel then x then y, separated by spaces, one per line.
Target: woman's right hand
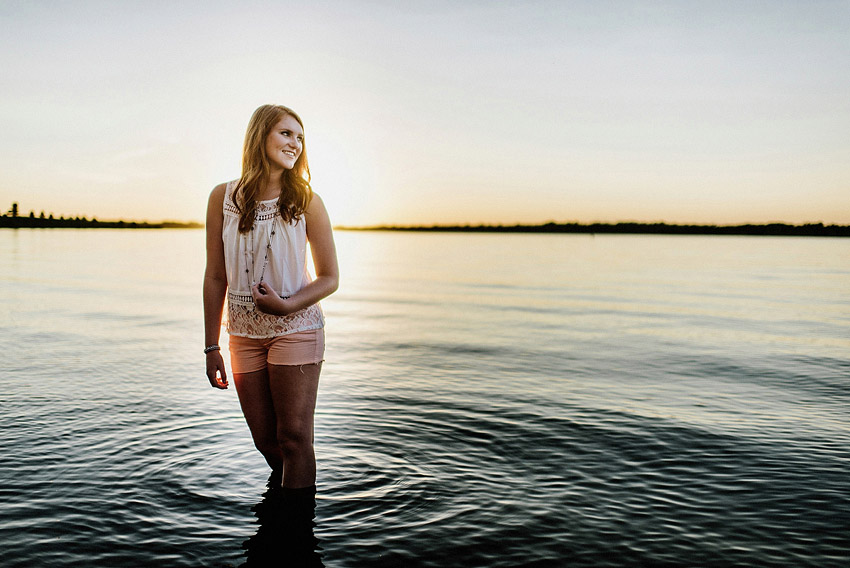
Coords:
pixel 215 370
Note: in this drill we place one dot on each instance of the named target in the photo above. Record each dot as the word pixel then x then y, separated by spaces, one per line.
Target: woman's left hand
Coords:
pixel 268 300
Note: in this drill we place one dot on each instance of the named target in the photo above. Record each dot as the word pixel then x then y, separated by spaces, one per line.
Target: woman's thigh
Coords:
pixel 293 390
pixel 255 398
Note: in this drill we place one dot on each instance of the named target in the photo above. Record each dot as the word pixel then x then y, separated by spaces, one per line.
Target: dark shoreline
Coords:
pixel 770 229
pixel 7 222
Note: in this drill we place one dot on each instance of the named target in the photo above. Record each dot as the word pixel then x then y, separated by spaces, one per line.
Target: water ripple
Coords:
pixel 583 402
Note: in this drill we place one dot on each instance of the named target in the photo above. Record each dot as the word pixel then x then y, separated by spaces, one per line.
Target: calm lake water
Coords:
pixel 487 400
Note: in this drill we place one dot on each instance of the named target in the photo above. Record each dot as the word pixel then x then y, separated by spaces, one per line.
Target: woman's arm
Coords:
pixel 320 235
pixel 215 287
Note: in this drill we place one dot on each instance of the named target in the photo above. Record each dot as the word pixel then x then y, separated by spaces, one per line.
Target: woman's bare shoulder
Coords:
pixel 218 191
pixel 215 205
pixel 316 204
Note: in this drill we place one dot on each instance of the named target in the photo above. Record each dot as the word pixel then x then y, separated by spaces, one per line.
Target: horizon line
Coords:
pixel 583 224
pixel 436 225
pixel 818 229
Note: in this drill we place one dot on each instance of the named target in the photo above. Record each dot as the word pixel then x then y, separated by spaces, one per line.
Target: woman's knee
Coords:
pixel 268 447
pixel 294 439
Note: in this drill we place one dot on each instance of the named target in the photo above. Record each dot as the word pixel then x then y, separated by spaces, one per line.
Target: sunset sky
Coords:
pixel 436 112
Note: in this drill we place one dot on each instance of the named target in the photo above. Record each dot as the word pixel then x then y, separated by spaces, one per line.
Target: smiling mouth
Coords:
pixel 289 153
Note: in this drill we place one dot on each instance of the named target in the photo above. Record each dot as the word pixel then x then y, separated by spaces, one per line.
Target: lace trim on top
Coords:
pixel 265 209
pixel 245 320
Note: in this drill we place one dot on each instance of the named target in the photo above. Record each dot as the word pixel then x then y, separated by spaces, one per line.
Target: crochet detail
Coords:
pixel 244 319
pixel 266 210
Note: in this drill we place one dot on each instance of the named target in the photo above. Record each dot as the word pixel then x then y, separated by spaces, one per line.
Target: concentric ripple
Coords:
pixel 486 400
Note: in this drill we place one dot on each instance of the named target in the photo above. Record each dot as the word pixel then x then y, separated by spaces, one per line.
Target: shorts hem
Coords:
pixel 296 364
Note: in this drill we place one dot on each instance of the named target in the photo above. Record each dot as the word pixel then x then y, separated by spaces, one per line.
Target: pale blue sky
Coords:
pixel 436 112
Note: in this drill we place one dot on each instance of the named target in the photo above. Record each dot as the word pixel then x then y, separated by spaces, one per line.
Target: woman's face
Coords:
pixel 284 143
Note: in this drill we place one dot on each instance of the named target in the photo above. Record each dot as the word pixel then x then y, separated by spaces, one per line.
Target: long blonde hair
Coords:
pixel 295 190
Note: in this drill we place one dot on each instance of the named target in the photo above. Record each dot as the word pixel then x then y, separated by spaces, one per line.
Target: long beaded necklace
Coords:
pixel 249 256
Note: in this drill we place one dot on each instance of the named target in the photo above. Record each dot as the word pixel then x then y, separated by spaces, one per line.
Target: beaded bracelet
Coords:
pixel 209 348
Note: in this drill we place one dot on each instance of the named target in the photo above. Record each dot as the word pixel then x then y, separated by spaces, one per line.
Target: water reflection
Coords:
pixel 285 536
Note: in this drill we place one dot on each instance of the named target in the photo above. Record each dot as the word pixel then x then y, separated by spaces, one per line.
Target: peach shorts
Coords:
pixel 300 348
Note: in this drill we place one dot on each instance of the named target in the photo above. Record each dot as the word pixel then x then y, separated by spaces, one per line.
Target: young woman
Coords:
pixel 257 230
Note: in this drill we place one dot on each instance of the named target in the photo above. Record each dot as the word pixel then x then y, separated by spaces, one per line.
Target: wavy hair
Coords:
pixel 295 190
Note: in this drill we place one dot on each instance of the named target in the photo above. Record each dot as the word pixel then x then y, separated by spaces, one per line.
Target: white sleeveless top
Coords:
pixel 273 251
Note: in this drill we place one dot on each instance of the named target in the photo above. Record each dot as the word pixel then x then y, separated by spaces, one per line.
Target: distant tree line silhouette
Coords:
pixel 13 220
pixel 770 229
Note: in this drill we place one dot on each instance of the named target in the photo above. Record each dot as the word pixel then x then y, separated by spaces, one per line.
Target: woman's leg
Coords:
pixel 293 391
pixel 255 397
